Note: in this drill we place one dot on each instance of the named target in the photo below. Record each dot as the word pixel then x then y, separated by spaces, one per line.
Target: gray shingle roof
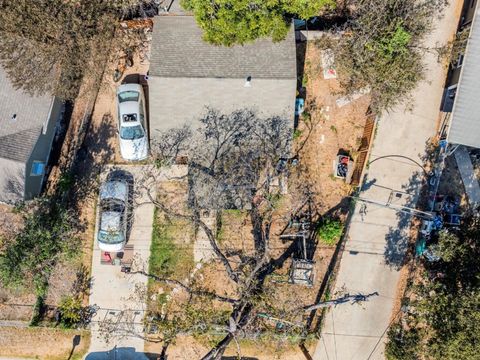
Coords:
pixel 179 51
pixel 18 146
pixel 18 135
pixel 465 123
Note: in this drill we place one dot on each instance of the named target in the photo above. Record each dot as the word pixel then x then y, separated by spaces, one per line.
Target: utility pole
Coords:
pixel 347 298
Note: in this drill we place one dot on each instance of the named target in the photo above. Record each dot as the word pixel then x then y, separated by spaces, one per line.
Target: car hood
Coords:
pixel 134 149
pixel 111 247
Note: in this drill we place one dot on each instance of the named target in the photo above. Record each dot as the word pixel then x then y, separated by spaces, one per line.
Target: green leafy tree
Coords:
pixel 444 321
pixel 380 48
pixel 403 344
pixel 229 22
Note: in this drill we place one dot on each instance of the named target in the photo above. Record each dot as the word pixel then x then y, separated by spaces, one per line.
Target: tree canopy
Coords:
pixel 443 316
pixel 47 45
pixel 380 48
pixel 229 22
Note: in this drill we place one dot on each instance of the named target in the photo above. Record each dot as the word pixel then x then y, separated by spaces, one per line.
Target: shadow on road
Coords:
pixel 398 237
pixel 122 353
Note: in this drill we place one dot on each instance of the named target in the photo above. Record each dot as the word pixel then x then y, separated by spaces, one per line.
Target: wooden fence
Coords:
pixel 364 150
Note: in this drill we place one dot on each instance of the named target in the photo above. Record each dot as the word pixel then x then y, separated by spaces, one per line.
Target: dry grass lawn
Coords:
pixel 42 343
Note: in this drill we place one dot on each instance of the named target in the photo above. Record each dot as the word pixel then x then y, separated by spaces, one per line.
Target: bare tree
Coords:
pixel 46 46
pixel 232 162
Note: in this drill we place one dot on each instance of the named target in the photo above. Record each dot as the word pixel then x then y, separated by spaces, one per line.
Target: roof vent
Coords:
pixel 14 117
pixel 248 81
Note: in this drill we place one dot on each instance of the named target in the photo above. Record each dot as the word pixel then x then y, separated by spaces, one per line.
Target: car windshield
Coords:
pixel 110 237
pixel 128 96
pixel 131 132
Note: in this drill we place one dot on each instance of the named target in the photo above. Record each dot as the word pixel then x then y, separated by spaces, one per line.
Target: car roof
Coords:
pixel 114 189
pixel 129 107
pixel 110 221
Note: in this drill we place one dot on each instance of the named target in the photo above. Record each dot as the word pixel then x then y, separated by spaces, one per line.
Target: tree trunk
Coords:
pixel 217 352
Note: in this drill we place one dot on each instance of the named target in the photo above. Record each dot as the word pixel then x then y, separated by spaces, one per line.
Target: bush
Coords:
pixel 330 231
pixel 30 255
pixel 402 345
pixel 37 311
pixel 71 311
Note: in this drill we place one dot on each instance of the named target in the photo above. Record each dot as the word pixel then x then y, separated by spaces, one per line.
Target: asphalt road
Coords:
pixel 377 236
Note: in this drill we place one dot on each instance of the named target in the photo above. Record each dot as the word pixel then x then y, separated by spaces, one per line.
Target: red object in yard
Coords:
pixel 345 160
pixel 106 258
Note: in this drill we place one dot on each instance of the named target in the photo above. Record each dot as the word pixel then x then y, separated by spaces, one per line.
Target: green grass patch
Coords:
pixel 330 231
pixel 168 256
pixel 234 213
pixel 297 134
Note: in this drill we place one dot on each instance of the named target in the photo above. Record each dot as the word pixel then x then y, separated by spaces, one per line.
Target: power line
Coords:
pixel 383 333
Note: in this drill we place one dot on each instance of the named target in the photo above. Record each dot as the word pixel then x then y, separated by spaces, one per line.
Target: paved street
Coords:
pixel 377 236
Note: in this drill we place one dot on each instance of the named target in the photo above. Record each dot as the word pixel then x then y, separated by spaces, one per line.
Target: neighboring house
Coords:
pixel 187 75
pixel 455 68
pixel 464 128
pixel 27 129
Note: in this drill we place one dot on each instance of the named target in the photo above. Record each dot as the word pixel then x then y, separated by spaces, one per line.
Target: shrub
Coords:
pixel 37 311
pixel 30 255
pixel 330 231
pixel 71 311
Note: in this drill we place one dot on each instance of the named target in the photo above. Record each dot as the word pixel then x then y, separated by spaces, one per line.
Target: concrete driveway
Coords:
pixel 121 311
pixel 377 236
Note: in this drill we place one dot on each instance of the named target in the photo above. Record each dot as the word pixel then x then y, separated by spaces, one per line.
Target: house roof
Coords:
pixel 465 123
pixel 21 120
pixel 178 50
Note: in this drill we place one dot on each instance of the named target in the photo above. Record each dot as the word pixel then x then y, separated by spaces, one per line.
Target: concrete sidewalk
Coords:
pixel 377 237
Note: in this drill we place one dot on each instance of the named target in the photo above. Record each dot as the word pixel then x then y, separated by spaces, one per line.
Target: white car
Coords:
pixel 113 213
pixel 132 128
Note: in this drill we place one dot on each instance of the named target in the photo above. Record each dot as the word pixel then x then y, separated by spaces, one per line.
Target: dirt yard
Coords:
pixel 330 130
pixel 187 348
pixel 326 131
pixel 43 343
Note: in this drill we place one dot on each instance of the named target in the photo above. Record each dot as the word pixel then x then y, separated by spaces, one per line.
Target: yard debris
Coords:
pixel 345 100
pixel 328 64
pixel 301 272
pixel 343 167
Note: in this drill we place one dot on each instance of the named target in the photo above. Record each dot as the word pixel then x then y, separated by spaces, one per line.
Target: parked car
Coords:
pixel 113 215
pixel 132 129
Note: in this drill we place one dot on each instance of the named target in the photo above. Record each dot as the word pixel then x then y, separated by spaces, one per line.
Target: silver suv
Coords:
pixel 113 215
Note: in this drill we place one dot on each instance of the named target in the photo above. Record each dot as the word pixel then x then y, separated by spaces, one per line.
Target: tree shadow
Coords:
pixel 398 237
pixel 95 152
